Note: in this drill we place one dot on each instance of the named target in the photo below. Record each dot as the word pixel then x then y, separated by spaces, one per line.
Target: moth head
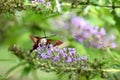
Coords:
pixel 43 41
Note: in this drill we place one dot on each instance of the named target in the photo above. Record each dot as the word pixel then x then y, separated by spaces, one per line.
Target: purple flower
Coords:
pixel 61 51
pixel 79 22
pixel 64 49
pixel 86 34
pixel 69 60
pixel 79 38
pixel 38 1
pixel 92 36
pixel 81 58
pixel 55 53
pixel 98 46
pixel 72 51
pixel 57 48
pixel 87 28
pixel 113 45
pixel 94 30
pixel 51 48
pixel 48 4
pixel 112 37
pixel 41 1
pixel 84 58
pixel 44 56
pixel 41 47
pixel 102 32
pixel 74 59
pixel 56 58
pixel 49 52
pixel 64 55
pixel 69 49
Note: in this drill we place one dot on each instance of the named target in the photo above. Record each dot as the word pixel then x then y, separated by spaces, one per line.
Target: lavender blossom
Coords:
pixel 55 53
pixel 44 56
pixel 92 36
pixel 48 4
pixel 49 52
pixel 112 37
pixel 113 45
pixel 102 32
pixel 41 1
pixel 69 60
pixel 80 58
pixel 56 58
pixel 38 1
pixel 79 22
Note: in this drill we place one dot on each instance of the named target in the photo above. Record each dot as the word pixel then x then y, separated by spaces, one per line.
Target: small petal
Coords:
pixel 82 58
pixel 64 49
pixel 74 59
pixel 60 52
pixel 51 47
pixel 57 48
pixel 86 34
pixel 69 59
pixel 41 1
pixel 56 58
pixel 98 46
pixel 49 52
pixel 102 32
pixel 72 52
pixel 73 49
pixel 87 28
pixel 48 4
pixel 94 30
pixel 112 37
pixel 69 49
pixel 78 22
pixel 81 40
pixel 43 55
pixel 113 45
pixel 64 55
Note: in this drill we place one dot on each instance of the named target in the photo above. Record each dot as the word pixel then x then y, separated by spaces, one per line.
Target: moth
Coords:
pixel 44 40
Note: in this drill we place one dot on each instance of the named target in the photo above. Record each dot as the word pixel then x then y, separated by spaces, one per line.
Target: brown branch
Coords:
pixel 93 4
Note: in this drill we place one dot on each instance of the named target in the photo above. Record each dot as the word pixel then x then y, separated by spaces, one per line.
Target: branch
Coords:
pixel 104 70
pixel 93 4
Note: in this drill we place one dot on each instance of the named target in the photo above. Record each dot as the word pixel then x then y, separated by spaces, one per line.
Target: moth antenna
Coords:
pixel 52 35
pixel 44 34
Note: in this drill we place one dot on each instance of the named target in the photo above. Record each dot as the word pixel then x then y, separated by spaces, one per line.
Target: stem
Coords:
pixel 110 70
pixel 58 5
pixel 105 70
pixel 108 50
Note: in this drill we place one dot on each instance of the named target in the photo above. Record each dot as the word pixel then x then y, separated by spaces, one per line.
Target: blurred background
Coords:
pixel 17 24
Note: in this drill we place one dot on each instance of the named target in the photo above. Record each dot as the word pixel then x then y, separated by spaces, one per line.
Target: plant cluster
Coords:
pixel 62 61
pixel 34 15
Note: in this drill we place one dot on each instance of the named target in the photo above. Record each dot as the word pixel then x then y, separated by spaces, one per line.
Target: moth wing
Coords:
pixel 54 42
pixel 35 39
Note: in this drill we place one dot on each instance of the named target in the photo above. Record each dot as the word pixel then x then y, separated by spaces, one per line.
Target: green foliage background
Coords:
pixel 17 26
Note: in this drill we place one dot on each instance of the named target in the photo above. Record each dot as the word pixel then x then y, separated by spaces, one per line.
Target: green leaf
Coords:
pixel 117 20
pixel 26 71
pixel 7 60
pixel 13 68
